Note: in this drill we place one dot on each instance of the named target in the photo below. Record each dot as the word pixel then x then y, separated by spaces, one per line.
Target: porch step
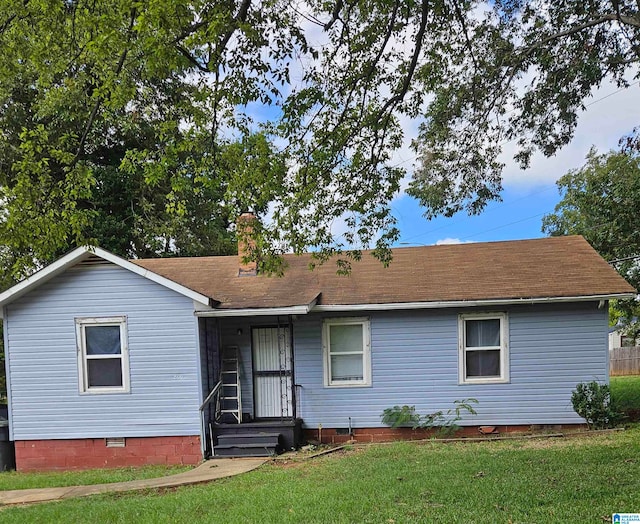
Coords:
pixel 290 430
pixel 244 450
pixel 251 438
pixel 248 445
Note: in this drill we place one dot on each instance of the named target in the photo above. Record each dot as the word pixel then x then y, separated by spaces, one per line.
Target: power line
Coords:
pixel 634 257
pixel 628 162
pixel 467 218
pixel 405 241
pixel 504 225
pixel 620 90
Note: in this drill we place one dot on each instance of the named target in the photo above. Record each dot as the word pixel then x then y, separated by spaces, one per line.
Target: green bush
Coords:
pixel 592 401
pixel 445 423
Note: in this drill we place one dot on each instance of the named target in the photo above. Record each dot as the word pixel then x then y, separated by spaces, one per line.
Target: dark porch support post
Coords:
pixel 212 354
pixel 294 400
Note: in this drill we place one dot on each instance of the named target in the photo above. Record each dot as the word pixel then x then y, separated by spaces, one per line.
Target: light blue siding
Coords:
pixel 414 359
pixel 163 358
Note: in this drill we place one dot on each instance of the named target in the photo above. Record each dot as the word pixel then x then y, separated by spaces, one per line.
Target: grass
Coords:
pixel 625 394
pixel 555 480
pixel 14 480
pixel 523 481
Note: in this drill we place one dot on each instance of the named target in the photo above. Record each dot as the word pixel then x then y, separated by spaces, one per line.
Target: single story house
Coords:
pixel 114 362
pixel 618 339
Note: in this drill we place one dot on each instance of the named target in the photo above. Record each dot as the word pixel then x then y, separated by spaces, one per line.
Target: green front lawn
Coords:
pixel 625 394
pixel 525 481
pixel 51 479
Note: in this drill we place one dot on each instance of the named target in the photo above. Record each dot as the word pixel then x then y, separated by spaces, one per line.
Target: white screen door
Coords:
pixel 272 377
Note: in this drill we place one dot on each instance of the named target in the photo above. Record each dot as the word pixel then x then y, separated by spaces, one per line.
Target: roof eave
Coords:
pixel 466 303
pixel 82 253
pixel 47 273
pixel 313 307
pixel 301 309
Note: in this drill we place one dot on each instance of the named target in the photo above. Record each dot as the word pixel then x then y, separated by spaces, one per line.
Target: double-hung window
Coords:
pixel 103 360
pixel 484 348
pixel 347 352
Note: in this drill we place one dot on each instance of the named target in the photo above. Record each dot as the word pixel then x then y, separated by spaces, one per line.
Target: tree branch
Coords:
pixel 398 97
pixel 8 21
pixel 192 29
pixel 192 59
pixel 465 32
pixel 308 18
pixel 627 62
pixel 335 15
pixel 522 53
pixel 98 103
pixel 366 78
pixel 611 17
pixel 233 26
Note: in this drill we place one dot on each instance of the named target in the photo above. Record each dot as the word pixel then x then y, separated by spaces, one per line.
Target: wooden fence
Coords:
pixel 624 361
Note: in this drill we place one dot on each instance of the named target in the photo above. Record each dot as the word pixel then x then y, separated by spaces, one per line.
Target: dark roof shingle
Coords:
pixel 553 267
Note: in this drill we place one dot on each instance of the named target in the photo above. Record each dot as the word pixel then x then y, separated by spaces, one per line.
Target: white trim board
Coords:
pixel 463 303
pixel 330 308
pixel 82 253
pixel 256 312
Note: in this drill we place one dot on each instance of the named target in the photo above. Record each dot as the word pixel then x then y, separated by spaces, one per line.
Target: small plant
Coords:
pixel 401 417
pixel 592 401
pixel 444 422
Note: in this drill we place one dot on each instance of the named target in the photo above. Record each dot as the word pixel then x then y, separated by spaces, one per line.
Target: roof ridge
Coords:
pixel 397 248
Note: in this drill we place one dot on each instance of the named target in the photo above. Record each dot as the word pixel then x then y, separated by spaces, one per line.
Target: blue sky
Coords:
pixel 528 195
pixel 609 114
pixel 519 215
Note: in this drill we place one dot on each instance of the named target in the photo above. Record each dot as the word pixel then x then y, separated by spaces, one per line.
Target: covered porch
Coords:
pixel 250 405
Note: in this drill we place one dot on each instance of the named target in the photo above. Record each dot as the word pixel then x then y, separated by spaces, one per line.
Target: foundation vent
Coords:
pixel 115 442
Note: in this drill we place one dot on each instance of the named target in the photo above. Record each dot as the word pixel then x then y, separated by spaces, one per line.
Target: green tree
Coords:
pixel 337 79
pixel 601 201
pixel 145 185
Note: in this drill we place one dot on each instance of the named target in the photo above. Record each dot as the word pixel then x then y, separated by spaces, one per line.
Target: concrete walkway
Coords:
pixel 210 470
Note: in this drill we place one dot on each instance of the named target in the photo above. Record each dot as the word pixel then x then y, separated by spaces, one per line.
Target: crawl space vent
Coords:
pixel 115 442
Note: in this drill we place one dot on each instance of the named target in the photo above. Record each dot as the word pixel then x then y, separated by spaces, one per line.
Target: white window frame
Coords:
pixel 83 378
pixel 503 347
pixel 366 352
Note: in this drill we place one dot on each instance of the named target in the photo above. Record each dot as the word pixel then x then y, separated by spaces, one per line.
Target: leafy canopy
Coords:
pixel 601 201
pixel 152 96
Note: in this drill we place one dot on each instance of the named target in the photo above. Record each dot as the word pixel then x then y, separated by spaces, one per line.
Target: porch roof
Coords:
pixel 547 269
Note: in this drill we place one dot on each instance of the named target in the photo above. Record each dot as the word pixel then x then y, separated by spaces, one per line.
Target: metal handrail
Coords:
pixel 215 392
pixel 216 389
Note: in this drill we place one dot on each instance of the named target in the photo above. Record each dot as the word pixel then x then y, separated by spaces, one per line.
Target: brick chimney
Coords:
pixel 244 228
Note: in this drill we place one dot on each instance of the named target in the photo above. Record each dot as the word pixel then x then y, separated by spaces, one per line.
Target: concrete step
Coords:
pixel 248 444
pixel 291 430
pixel 228 418
pixel 272 439
pixel 244 450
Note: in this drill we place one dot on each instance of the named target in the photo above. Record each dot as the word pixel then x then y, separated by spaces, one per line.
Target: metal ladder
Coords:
pixel 231 400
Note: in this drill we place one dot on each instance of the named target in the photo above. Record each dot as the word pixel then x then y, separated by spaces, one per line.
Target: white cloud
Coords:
pixel 605 120
pixel 610 114
pixel 450 241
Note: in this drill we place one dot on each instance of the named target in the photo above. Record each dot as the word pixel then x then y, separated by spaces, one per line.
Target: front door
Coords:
pixel 272 377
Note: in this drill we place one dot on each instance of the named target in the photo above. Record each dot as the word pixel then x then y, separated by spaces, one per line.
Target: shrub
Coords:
pixel 592 401
pixel 401 417
pixel 406 416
